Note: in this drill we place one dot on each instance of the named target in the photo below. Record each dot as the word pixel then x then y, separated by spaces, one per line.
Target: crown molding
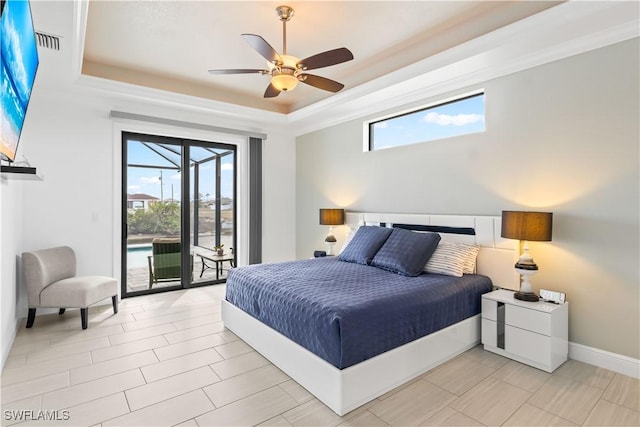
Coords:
pixel 135 93
pixel 260 119
pixel 559 32
pixel 556 33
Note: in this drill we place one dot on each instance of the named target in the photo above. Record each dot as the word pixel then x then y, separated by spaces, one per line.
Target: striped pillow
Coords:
pixel 472 255
pixel 453 259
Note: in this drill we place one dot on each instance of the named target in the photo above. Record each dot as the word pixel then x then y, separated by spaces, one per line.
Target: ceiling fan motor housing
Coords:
pixel 285 12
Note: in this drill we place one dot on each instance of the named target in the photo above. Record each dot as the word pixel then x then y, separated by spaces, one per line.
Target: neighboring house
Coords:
pixel 140 201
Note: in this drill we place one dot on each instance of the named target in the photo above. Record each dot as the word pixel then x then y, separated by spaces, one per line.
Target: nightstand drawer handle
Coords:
pixel 500 325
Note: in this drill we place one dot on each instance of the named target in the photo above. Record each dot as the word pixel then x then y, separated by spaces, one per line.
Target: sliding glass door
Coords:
pixel 212 210
pixel 179 229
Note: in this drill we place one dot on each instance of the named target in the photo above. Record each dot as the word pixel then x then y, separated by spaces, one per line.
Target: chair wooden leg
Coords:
pixel 114 301
pixel 84 315
pixel 61 311
pixel 31 317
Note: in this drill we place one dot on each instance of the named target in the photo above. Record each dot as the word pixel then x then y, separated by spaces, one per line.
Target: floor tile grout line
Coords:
pixel 128 354
pixel 193 339
pixel 209 399
pixel 457 397
pixel 97 398
pixel 524 389
pixel 514 412
pixel 181 373
pixel 162 334
pixel 586 383
pixel 202 413
pixel 257 392
pixel 36 394
pixel 131 411
pixel 601 393
pixel 618 404
pixel 279 385
pixel 90 400
pixel 117 416
pixel 115 373
pixel 237 375
pixel 29 361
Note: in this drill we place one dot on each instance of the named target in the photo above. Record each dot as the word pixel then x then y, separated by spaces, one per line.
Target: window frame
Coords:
pixel 367 142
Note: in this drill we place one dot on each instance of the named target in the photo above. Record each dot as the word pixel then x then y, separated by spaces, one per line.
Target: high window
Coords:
pixel 453 117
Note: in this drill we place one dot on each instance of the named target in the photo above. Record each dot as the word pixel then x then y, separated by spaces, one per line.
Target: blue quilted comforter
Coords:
pixel 346 313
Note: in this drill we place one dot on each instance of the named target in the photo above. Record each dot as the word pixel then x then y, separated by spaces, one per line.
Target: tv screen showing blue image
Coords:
pixel 19 63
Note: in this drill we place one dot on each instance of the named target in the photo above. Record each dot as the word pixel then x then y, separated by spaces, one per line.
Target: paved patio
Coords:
pixel 138 277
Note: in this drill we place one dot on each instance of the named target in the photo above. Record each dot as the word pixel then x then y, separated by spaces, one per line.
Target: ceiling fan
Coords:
pixel 286 70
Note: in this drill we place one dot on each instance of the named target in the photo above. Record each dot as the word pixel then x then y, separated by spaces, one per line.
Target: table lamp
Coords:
pixel 331 217
pixel 526 226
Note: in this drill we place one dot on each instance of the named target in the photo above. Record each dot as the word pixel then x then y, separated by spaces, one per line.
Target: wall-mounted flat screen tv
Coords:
pixel 19 62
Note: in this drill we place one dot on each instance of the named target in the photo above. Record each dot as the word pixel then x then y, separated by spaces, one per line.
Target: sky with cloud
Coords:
pixel 151 180
pixel 444 121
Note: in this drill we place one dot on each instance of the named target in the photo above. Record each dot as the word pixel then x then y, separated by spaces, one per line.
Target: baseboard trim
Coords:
pixel 7 350
pixel 604 359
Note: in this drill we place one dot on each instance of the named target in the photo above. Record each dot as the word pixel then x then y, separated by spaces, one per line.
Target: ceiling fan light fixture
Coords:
pixel 287 70
pixel 284 82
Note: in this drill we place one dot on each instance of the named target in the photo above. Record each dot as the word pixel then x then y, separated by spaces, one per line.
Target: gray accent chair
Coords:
pixel 50 278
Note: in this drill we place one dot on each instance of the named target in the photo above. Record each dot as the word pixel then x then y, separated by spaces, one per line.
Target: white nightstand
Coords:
pixel 535 333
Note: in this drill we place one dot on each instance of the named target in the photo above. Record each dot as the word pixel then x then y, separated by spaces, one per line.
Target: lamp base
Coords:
pixel 526 296
pixel 330 248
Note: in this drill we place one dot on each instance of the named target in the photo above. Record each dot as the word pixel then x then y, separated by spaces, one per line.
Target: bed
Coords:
pixel 347 360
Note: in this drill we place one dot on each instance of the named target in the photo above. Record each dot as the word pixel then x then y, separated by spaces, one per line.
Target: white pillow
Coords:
pixel 453 259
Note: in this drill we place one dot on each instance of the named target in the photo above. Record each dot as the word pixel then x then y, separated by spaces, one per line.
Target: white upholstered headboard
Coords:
pixel 497 255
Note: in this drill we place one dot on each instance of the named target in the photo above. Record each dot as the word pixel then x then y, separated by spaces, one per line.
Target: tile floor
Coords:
pixel 167 360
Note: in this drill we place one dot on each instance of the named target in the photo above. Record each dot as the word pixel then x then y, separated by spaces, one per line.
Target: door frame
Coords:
pixel 185 218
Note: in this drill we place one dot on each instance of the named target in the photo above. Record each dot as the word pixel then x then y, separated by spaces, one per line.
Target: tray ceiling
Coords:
pixel 170 45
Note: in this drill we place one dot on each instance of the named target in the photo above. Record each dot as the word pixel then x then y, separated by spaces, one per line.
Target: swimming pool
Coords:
pixel 137 255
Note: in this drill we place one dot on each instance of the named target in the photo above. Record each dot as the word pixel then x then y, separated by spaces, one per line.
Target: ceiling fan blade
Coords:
pixel 271 91
pixel 322 83
pixel 324 59
pixel 238 71
pixel 262 47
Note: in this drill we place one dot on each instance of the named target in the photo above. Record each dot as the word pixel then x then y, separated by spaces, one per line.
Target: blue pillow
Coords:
pixel 364 244
pixel 406 252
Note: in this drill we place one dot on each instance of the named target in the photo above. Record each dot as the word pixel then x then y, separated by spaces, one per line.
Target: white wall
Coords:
pixel 10 247
pixel 70 140
pixel 561 137
pixel 75 147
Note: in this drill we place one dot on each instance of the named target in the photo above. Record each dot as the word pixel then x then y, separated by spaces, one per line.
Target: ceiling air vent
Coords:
pixel 48 40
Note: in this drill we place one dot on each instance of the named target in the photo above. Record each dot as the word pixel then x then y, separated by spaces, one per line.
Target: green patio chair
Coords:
pixel 164 263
